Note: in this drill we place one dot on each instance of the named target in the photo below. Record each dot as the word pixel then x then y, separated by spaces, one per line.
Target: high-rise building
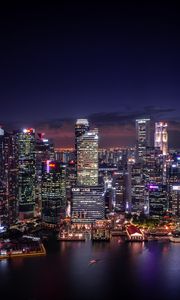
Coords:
pixel 3 200
pixel 53 192
pixel 173 181
pixel 143 137
pixel 70 179
pixel 81 127
pixel 87 158
pixel 64 154
pixel 153 165
pixel 26 172
pixel 174 199
pixel 8 178
pixel 44 151
pixel 88 204
pixel 137 188
pixel 88 197
pixel 119 186
pixel 161 137
pixel 158 199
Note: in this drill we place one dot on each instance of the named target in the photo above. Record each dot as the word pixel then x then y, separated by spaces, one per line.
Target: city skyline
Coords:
pixel 124 136
pixel 90 150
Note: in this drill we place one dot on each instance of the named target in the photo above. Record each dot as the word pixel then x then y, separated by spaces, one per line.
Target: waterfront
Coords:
pixel 149 270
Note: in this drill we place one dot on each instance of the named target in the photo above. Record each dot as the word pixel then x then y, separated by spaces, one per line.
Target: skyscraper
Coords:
pixel 44 151
pixel 81 127
pixel 119 185
pixel 26 172
pixel 143 137
pixel 158 199
pixel 88 204
pixel 8 178
pixel 53 192
pixel 87 158
pixel 88 197
pixel 137 188
pixel 161 137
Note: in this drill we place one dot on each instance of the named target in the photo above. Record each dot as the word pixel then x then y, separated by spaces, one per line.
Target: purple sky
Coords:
pixel 109 62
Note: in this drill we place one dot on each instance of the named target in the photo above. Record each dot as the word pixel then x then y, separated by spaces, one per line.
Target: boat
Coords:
pixel 92 261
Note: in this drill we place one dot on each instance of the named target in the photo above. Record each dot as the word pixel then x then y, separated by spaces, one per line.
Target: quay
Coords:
pixel 15 254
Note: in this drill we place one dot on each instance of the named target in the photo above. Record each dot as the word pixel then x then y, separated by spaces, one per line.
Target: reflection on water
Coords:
pixel 150 270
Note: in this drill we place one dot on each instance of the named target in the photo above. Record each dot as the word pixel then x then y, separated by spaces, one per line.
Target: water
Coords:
pixel 124 270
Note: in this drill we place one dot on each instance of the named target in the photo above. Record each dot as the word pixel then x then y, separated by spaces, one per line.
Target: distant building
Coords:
pixel 174 198
pixel 119 187
pixel 143 137
pixel 88 197
pixel 81 127
pixel 8 178
pixel 137 188
pixel 173 180
pixel 161 137
pixel 87 158
pixel 88 204
pixel 158 200
pixel 153 166
pixel 53 192
pixel 25 140
pixel 44 150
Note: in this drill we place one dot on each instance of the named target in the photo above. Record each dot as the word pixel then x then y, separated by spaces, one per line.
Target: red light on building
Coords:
pixel 29 130
pixel 52 165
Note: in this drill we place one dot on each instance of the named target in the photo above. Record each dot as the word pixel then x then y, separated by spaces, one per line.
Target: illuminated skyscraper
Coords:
pixel 137 188
pixel 88 204
pixel 161 137
pixel 53 192
pixel 3 200
pixel 119 185
pixel 158 199
pixel 174 198
pixel 173 180
pixel 88 197
pixel 8 178
pixel 81 127
pixel 87 158
pixel 143 138
pixel 26 172
pixel 44 151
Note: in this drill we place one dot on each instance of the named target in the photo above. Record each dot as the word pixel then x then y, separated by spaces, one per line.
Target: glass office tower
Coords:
pixel 25 140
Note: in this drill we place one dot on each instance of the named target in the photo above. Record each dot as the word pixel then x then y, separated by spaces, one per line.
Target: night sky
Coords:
pixel 111 63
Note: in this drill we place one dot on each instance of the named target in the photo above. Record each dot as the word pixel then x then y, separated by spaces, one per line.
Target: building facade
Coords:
pixel 161 137
pixel 25 140
pixel 87 158
pixel 88 204
pixel 53 192
pixel 143 137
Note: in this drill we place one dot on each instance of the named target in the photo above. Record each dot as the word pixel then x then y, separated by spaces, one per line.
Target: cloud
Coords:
pixel 124 118
pixel 115 128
